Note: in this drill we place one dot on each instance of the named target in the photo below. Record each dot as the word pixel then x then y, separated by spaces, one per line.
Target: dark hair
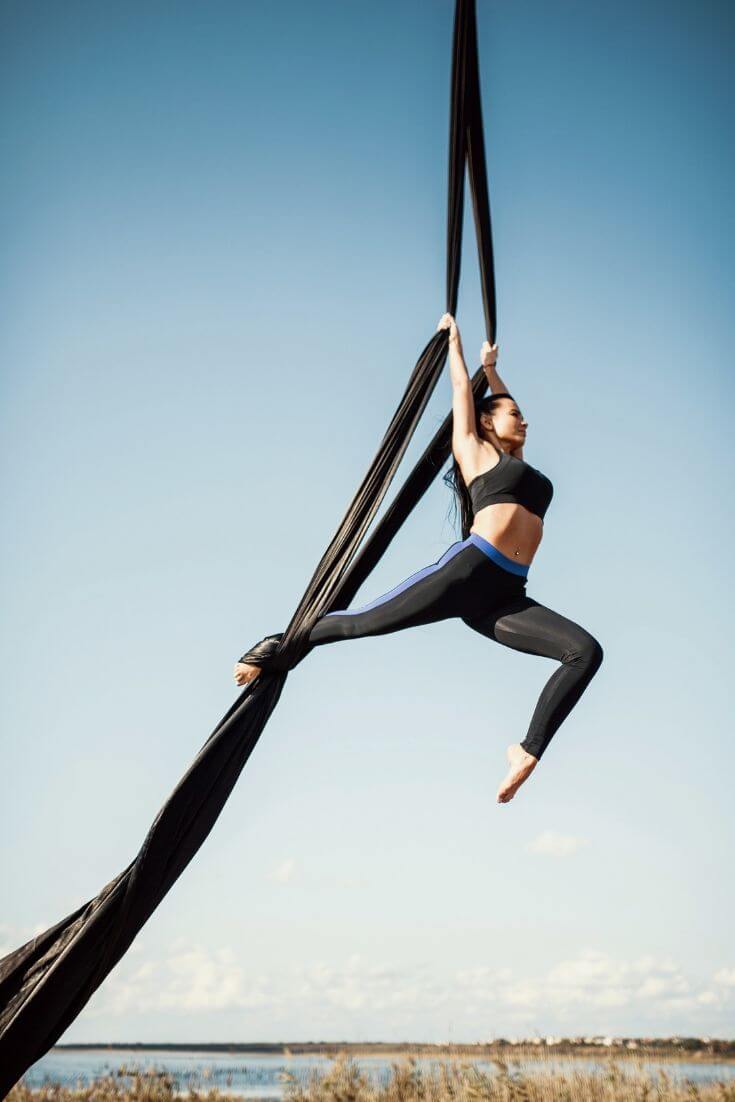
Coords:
pixel 453 477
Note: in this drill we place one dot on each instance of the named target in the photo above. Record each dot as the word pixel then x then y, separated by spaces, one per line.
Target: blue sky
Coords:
pixel 223 233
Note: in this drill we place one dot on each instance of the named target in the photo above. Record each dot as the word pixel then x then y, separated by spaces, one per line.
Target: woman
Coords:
pixel 482 578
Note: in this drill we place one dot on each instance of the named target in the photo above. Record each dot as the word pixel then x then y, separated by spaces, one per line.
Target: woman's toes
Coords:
pixel 522 765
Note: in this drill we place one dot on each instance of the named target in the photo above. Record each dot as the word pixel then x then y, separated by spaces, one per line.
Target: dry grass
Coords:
pixel 462 1082
pixel 345 1081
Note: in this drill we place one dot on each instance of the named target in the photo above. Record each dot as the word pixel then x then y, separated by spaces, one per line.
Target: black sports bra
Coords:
pixel 512 479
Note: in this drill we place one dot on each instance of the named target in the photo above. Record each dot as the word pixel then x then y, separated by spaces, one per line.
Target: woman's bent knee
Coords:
pixel 586 653
pixel 593 654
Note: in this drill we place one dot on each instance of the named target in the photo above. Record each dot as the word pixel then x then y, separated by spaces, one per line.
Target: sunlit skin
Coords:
pixel 511 528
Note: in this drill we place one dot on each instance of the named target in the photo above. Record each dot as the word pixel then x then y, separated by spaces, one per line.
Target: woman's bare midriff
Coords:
pixel 511 528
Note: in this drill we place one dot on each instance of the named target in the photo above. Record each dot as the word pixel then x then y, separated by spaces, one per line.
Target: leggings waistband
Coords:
pixel 497 556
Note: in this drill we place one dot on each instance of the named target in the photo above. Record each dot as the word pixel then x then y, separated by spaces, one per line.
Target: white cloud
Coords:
pixel 551 844
pixel 284 872
pixel 583 989
pixel 593 978
pixel 589 982
pixel 189 978
pixel 12 937
pixel 8 940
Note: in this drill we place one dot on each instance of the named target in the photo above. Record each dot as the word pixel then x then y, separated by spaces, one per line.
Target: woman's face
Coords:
pixel 507 422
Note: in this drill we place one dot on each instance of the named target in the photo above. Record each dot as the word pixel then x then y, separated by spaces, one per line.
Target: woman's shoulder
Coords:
pixel 477 457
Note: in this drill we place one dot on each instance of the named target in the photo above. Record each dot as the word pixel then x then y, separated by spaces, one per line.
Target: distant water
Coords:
pixel 264 1077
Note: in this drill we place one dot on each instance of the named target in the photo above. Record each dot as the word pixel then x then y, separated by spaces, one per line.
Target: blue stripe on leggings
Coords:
pixel 497 556
pixel 411 580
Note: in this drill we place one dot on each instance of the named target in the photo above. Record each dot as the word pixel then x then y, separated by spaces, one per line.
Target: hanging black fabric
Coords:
pixel 46 982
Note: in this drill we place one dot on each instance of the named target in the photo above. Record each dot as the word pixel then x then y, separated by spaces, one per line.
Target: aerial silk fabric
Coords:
pixel 45 983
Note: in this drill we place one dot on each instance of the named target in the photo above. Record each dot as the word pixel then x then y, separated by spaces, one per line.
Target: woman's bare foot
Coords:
pixel 522 765
pixel 245 673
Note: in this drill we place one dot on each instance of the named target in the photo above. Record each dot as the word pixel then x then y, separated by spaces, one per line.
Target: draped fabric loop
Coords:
pixel 45 983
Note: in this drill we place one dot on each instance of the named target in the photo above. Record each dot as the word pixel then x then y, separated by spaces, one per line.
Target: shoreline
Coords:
pixel 719 1051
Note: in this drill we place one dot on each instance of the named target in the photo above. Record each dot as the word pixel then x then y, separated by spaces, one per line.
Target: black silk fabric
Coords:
pixel 45 983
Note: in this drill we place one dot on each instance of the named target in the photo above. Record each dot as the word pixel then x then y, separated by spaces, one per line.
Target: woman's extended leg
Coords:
pixel 464 579
pixel 528 626
pixel 446 588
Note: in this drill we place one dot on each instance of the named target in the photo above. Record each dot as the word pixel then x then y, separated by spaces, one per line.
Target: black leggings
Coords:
pixel 468 581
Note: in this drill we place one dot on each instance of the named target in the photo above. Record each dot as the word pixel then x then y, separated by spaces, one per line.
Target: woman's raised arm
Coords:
pixel 464 426
pixel 489 354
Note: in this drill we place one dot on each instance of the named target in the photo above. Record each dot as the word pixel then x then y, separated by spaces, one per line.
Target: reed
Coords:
pixel 408 1081
pixel 453 1081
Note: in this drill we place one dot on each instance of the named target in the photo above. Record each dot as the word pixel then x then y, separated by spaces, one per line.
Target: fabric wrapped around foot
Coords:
pixel 272 660
pixel 262 653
